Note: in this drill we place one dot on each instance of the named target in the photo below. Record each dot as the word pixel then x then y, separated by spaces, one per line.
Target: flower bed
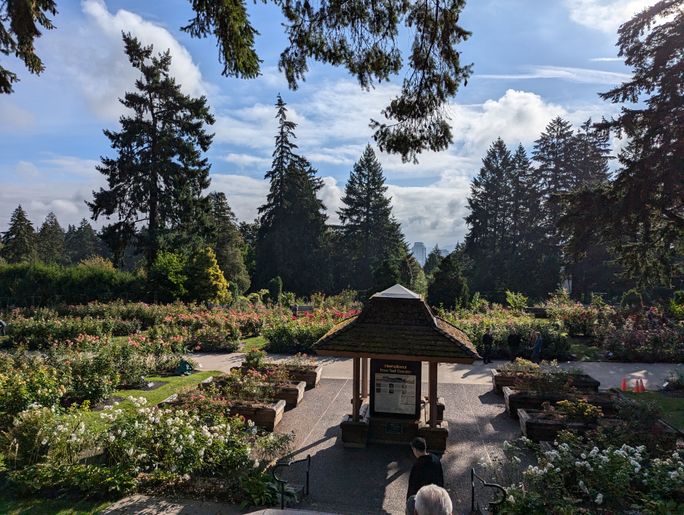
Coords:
pixel 190 451
pixel 298 368
pixel 539 425
pixel 523 374
pixel 299 333
pixel 516 400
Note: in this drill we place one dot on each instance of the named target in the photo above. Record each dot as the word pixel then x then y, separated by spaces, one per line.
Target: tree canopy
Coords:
pixel 359 35
pixel 640 214
pixel 159 174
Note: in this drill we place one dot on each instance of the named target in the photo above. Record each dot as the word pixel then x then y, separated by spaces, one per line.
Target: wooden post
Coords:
pixel 432 392
pixel 355 390
pixel 364 378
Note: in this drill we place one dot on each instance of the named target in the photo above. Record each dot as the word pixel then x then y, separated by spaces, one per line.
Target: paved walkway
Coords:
pixel 609 373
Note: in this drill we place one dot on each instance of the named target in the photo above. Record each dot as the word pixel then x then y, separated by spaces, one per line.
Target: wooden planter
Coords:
pixel 540 429
pixel 291 393
pixel 531 400
pixel 264 416
pixel 581 382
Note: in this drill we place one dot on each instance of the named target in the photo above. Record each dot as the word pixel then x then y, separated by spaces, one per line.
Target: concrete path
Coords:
pixel 375 479
pixel 609 373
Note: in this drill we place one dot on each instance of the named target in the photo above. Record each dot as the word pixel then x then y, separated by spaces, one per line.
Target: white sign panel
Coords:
pixel 395 393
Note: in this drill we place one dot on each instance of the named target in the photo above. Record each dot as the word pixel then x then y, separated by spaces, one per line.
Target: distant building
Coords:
pixel 419 252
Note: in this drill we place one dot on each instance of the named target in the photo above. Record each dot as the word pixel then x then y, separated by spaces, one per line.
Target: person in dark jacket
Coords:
pixel 487 344
pixel 427 470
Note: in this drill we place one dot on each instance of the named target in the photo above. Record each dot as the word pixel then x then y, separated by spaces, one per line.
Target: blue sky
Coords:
pixel 533 60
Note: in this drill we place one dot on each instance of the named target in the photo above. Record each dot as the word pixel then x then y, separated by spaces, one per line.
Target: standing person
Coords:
pixel 514 341
pixel 487 344
pixel 427 470
pixel 433 500
pixel 538 346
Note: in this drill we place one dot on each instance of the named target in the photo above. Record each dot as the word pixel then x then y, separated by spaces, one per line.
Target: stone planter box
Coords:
pixel 264 416
pixel 355 434
pixel 540 429
pixel 310 375
pixel 526 399
pixel 291 393
pixel 581 382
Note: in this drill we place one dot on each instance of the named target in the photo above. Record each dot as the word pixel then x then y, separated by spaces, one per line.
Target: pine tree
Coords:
pixel 225 238
pixel 159 174
pixel 50 241
pixel 449 287
pixel 291 241
pixel 19 241
pixel 487 242
pixel 370 233
pixel 206 282
pixel 640 214
pixel 432 261
pixel 82 242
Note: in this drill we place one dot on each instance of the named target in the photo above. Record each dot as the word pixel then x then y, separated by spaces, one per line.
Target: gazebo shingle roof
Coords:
pixel 397 323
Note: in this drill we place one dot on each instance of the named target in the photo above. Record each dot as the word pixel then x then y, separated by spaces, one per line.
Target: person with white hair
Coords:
pixel 433 500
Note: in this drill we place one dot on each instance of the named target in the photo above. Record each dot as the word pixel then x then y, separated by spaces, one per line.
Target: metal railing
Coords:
pixel 492 504
pixel 282 483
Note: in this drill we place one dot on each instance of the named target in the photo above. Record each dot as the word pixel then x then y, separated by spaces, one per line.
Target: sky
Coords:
pixel 533 60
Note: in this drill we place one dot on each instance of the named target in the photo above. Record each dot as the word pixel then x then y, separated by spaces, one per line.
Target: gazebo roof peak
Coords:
pixel 397 292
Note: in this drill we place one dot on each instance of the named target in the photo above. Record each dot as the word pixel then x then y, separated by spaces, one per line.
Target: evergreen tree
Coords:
pixel 226 239
pixel 432 261
pixel 206 282
pixel 449 287
pixel 159 174
pixel 249 232
pixel 82 242
pixel 291 241
pixel 370 234
pixel 19 241
pixel 386 275
pixel 487 242
pixel 51 240
pixel 640 214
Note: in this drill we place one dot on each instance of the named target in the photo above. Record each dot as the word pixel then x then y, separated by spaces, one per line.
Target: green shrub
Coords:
pixel 516 301
pixel 168 277
pixel 206 282
pixel 295 335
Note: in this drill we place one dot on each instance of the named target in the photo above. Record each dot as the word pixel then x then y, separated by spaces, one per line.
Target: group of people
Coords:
pixel 426 494
pixel 514 341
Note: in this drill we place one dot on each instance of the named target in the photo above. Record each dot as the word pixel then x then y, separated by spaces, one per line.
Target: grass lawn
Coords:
pixel 584 352
pixel 173 384
pixel 35 506
pixel 256 342
pixel 672 407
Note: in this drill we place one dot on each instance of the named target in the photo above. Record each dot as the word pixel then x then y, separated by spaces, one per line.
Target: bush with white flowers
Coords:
pixel 578 477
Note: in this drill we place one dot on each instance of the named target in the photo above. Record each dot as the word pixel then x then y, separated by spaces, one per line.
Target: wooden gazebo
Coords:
pixel 396 331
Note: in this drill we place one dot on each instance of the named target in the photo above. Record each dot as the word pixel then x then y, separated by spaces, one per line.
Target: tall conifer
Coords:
pixel 159 172
pixel 19 241
pixel 291 239
pixel 50 240
pixel 370 233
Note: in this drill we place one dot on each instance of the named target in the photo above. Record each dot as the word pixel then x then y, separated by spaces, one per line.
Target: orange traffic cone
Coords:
pixel 642 388
pixel 623 384
pixel 636 386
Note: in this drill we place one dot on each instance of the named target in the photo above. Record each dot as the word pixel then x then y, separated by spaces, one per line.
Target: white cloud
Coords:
pixel 95 58
pixel 604 15
pixel 13 117
pixel 247 160
pixel 581 75
pixel 61 184
pixel 606 59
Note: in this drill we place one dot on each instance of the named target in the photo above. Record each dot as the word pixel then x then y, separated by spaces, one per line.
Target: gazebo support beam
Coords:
pixel 364 378
pixel 356 404
pixel 432 392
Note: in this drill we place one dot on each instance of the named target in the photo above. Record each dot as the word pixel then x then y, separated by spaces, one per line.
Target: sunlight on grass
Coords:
pixel 256 342
pixel 672 407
